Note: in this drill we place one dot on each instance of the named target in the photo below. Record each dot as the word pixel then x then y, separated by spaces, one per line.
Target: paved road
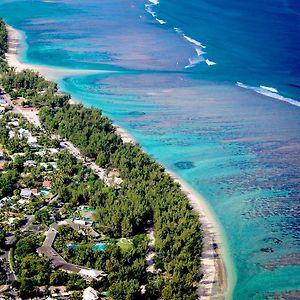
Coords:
pixel 10 274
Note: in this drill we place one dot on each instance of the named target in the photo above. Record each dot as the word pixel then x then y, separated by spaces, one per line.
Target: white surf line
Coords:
pixel 269 92
pixel 198 46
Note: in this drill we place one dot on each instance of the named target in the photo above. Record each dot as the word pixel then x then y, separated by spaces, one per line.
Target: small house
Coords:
pixel 24 133
pixel 47 184
pixel 29 163
pixel 90 294
pixel 32 141
pixel 35 192
pixel 25 193
pixel 11 134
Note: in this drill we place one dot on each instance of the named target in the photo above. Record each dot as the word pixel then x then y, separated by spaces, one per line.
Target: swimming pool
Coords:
pixel 99 246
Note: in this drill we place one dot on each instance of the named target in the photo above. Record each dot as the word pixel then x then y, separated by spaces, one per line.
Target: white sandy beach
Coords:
pixel 214 284
pixel 15 37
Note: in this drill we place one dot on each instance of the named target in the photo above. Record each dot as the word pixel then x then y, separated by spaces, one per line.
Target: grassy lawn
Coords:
pixel 125 244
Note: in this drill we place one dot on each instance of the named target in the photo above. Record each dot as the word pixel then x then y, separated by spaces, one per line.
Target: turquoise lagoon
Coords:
pixel 238 148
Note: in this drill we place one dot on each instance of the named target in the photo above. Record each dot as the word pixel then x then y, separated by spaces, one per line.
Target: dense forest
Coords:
pixel 147 193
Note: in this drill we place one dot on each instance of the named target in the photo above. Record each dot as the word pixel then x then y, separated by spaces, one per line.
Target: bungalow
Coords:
pixel 80 222
pixel 11 134
pixel 53 164
pixel 4 200
pixel 92 274
pixel 24 133
pixel 40 153
pixel 89 294
pixel 14 123
pixel 23 201
pixel 32 141
pixel 25 193
pixel 11 220
pixel 35 192
pixel 44 165
pixel 47 184
pixel 15 155
pixel 29 163
pixel 52 150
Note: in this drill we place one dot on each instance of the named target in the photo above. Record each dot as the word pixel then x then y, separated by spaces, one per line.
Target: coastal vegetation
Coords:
pixel 3 39
pixel 147 195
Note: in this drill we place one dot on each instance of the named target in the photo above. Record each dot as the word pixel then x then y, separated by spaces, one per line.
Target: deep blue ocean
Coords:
pixel 211 89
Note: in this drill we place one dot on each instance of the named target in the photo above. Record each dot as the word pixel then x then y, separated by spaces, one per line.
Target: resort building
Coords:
pixel 58 261
pixel 47 184
pixel 25 193
pixel 91 274
pixel 29 163
pixel 89 294
pixel 24 133
pixel 11 134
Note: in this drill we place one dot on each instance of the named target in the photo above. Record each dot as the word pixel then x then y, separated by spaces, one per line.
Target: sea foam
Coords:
pixel 193 61
pixel 198 46
pixel 155 2
pixel 195 42
pixel 199 51
pixel 269 92
pixel 149 10
pixel 270 89
pixel 160 21
pixel 210 63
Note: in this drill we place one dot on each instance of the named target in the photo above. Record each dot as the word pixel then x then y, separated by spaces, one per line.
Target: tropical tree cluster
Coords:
pixel 3 38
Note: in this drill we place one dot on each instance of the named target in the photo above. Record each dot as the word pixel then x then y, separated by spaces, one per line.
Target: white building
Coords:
pixel 11 134
pixel 29 163
pixel 89 294
pixel 80 222
pixel 14 156
pixel 25 193
pixel 24 133
pixel 32 141
pixel 92 274
pixel 14 123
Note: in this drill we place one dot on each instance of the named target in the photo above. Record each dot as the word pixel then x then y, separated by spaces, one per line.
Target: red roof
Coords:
pixel 47 184
pixel 35 191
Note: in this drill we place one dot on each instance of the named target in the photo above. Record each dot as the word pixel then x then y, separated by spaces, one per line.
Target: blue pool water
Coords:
pixel 211 89
pixel 72 247
pixel 99 246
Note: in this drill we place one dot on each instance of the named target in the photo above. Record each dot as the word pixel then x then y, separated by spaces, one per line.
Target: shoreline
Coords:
pixel 15 38
pixel 214 284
